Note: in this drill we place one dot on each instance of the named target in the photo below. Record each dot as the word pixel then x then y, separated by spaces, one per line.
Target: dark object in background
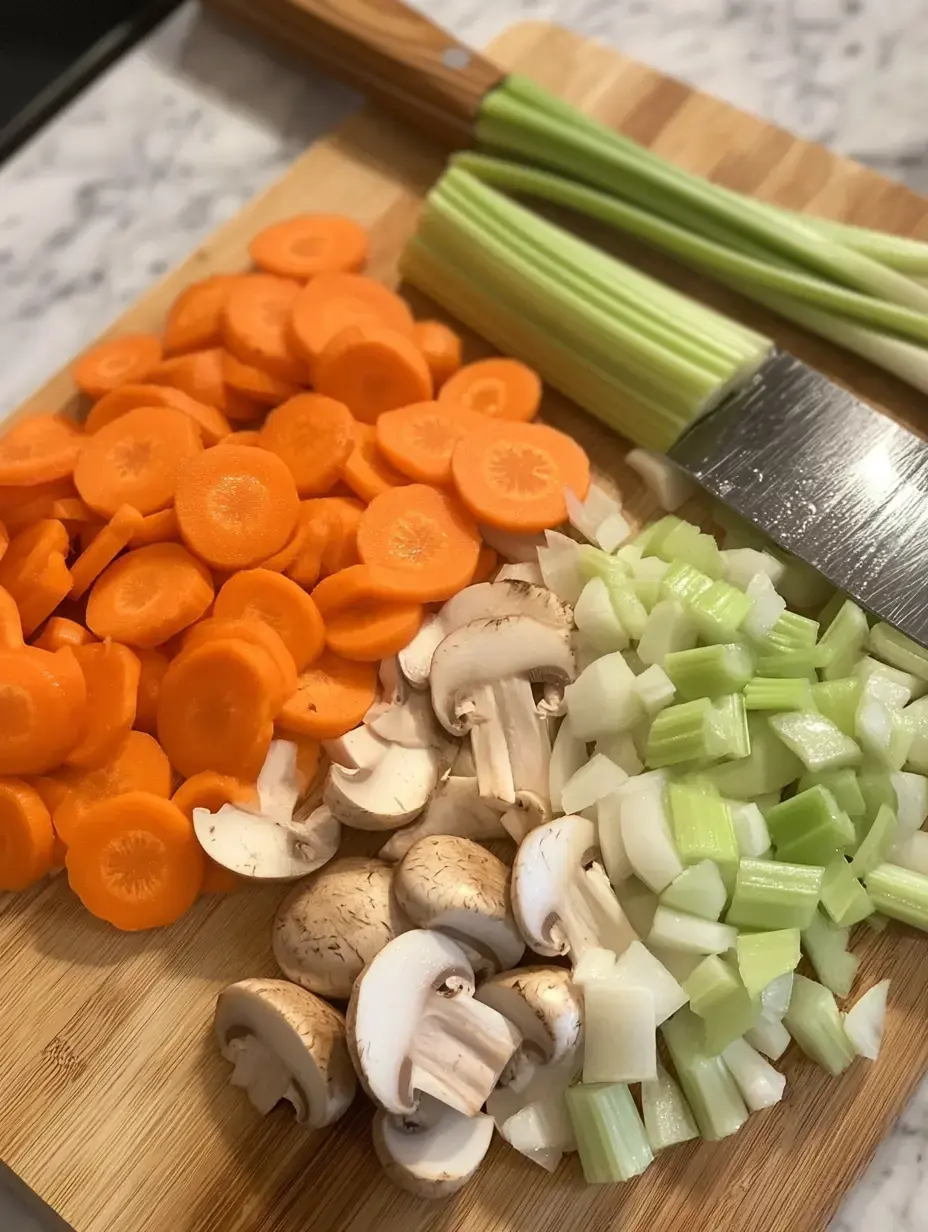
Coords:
pixel 23 1211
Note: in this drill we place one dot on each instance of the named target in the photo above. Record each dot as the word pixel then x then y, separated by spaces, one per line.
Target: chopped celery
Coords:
pixel 899 651
pixel 594 562
pixel 837 700
pixel 761 1086
pixel 684 582
pixel 788 662
pixel 651 539
pixel 667 1116
pixel 729 1022
pixel 682 733
pixel 647 577
pixel 677 930
pixel 770 1038
pixel 810 828
pixel 630 555
pixel 899 893
pixel 619 1041
pixel 816 741
pixel 843 897
pixel 731 724
pixel 628 607
pixel 688 543
pixel 654 688
pixel 712 984
pixel 699 890
pixel 814 1022
pixel 864 1021
pixel 750 828
pixel 639 968
pixel 876 844
pixel 826 945
pixel 611 1139
pixel 669 628
pixel 843 641
pixel 707 1083
pixel 763 957
pixel 778 693
pixel 719 611
pixel 709 671
pixel 596 619
pixel 602 699
pixel 843 786
pixel 769 766
pixel 770 895
pixel 793 632
pixel 702 827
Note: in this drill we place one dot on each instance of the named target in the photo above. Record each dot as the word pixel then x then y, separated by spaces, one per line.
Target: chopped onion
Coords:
pixel 598 778
pixel 588 516
pixel 770 1038
pixel 594 964
pixel 612 532
pixel 524 571
pixel 602 699
pixel 768 607
pixel 912 853
pixel 648 839
pixel 639 968
pixel 750 828
pixel 911 801
pixel 677 930
pixel 540 1127
pixel 620 1041
pixel 742 565
pixel 669 486
pixel 611 843
pixel 759 1083
pixel 597 620
pixel 774 999
pixel 559 562
pixel 655 688
pixel 620 748
pixel 568 754
pixel 864 1021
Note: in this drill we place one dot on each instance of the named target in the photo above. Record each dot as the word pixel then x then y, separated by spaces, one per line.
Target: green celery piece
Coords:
pixel 826 945
pixel 843 641
pixel 611 1138
pixel 684 583
pixel 814 1022
pixel 778 693
pixel 712 1093
pixel 698 890
pixel 770 895
pixel 816 741
pixel 898 650
pixel 770 765
pixel 730 1021
pixel 651 538
pixel 764 957
pixel 831 609
pixel 793 632
pixel 877 843
pixel 916 716
pixel 838 700
pixel 719 612
pixel 843 786
pixel 900 894
pixel 731 723
pixel 876 787
pixel 667 1116
pixel 879 923
pixel 786 662
pixel 628 607
pixel 688 543
pixel 843 897
pixel 594 562
pixel 670 628
pixel 709 671
pixel 891 682
pixel 810 828
pixel 711 984
pixel 683 733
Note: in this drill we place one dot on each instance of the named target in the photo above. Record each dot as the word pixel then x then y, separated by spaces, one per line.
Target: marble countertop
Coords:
pixel 178 135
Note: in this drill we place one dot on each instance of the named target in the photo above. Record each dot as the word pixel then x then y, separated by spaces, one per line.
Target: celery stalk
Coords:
pixel 682 733
pixel 707 1082
pixel 916 716
pixel 843 786
pixel 770 766
pixel 719 612
pixel 793 632
pixel 843 897
pixel 699 890
pixel 778 693
pixel 876 844
pixel 669 629
pixel 702 827
pixel 611 1138
pixel 710 985
pixel 788 662
pixel 718 996
pixel 816 741
pixel 770 895
pixel 826 945
pixel 770 1038
pixel 898 650
pixel 810 828
pixel 764 957
pixel 844 641
pixel 685 583
pixel 814 1022
pixel 837 700
pixel 709 671
pixel 900 894
pixel 730 720
pixel 667 1116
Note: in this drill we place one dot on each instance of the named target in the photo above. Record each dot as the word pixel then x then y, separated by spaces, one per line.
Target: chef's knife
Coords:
pixel 820 472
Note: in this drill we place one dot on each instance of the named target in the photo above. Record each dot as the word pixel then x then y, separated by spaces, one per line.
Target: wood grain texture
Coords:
pixel 114 1103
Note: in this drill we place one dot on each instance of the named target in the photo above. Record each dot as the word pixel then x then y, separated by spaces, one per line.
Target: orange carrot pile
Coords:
pixel 256 509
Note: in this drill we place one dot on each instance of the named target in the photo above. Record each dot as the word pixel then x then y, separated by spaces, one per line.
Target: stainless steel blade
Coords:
pixel 826 477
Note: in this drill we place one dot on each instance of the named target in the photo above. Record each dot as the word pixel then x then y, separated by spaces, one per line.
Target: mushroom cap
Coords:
pixel 331 925
pixel 411 723
pixel 286 1044
pixel 455 885
pixel 265 848
pixel 485 651
pixel 434 1152
pixel 542 1003
pixel 549 857
pixel 393 792
pixel 455 808
pixel 359 749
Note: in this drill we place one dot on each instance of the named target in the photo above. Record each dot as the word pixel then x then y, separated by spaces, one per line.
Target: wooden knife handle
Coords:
pixel 385 49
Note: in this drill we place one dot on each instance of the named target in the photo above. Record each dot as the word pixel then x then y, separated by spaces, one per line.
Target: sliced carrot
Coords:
pixel 245 436
pixel 135 862
pixel 104 367
pixel 111 673
pixel 215 709
pixel 313 435
pixel 366 471
pixel 515 479
pixel 39 449
pixel 236 506
pixel 256 325
pixel 259 594
pixel 51 789
pixel 60 632
pixel 419 542
pixel 420 439
pixel 373 631
pixel 333 695
pixel 281 561
pixel 43 703
pixel 72 510
pixel 194 320
pixel 502 388
pixel 309 245
pixel 137 763
pixel 441 347
pixel 152 666
pixel 255 383
pixel 11 625
pixel 4 540
pixel 331 541
pixel 211 791
pixel 331 302
pixel 240 409
pixel 137 460
pixel 348 588
pixel 197 374
pixel 118 532
pixel 212 423
pixel 38 597
pixel 28 553
pixel 27 839
pixel 487 564
pixel 21 506
pixel 160 527
pixel 372 370
pixel 148 595
pixel 256 633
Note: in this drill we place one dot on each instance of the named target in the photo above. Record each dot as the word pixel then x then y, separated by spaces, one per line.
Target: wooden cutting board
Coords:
pixel 114 1104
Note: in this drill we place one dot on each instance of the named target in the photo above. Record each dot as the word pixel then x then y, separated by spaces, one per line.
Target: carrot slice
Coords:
pixel 499 387
pixel 27 839
pixel 118 532
pixel 236 506
pixel 197 374
pixel 104 367
pixel 21 506
pixel 282 560
pixel 331 302
pixel 373 631
pixel 256 325
pixel 148 595
pixel 111 673
pixel 309 245
pixel 211 791
pixel 72 510
pixel 194 320
pixel 333 695
pixel 137 763
pixel 152 666
pixel 420 439
pixel 11 625
pixel 212 423
pixel 39 449
pixel 313 435
pixel 160 527
pixel 419 542
pixel 137 460
pixel 42 709
pixel 38 597
pixel 216 708
pixel 331 541
pixel 51 789
pixel 487 564
pixel 29 552
pixel 366 471
pixel 276 601
pixel 255 383
pixel 135 862
pixel 60 632
pixel 441 347
pixel 372 370
pixel 242 410
pixel 256 633
pixel 348 588
pixel 246 436
pixel 515 479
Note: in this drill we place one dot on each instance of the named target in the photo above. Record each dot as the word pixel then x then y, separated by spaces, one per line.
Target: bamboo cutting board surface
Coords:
pixel 114 1103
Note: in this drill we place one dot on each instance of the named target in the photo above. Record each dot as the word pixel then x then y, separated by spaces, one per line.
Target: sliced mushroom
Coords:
pixel 415 1029
pixel 511 545
pixel 330 926
pixel 411 723
pixel 359 749
pixel 279 785
pixel 433 1151
pixel 453 884
pixel 529 571
pixel 288 1045
pixel 395 791
pixel 542 1002
pixel 267 848
pixel 455 808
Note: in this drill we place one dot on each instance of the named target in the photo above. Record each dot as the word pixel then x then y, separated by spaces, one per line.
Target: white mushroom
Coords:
pixel 411 723
pixel 453 884
pixel 330 926
pixel 542 1002
pixel 286 1044
pixel 511 545
pixel 359 749
pixel 530 571
pixel 267 848
pixel 415 1029
pixel 455 808
pixel 562 901
pixel 433 1151
pixel 390 794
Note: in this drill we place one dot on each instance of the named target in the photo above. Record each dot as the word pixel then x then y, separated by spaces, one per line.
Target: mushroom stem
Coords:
pixel 527 736
pixel 263 1075
pixel 490 748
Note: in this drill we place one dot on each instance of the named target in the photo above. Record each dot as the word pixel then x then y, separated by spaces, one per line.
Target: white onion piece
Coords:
pixel 669 486
pixel 865 1020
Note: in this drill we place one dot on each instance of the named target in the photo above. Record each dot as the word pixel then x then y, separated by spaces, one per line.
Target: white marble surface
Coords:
pixel 178 135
